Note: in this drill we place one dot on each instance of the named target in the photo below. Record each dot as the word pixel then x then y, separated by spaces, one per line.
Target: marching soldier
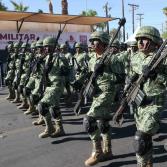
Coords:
pixel 34 82
pixel 23 75
pixel 96 121
pixel 147 114
pixel 18 63
pixel 80 63
pixel 49 104
pixel 69 78
pixel 10 71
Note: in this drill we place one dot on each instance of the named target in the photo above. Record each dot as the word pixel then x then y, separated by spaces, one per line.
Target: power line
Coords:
pixel 140 18
pixel 134 7
pixel 107 9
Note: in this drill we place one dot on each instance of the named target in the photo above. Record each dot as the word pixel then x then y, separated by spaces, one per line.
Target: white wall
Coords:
pixel 72 33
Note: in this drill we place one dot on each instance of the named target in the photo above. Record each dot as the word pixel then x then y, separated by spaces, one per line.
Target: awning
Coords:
pixel 21 17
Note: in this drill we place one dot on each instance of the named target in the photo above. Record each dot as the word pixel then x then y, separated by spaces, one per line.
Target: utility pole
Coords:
pixel 140 18
pixel 162 30
pixel 123 15
pixel 134 7
pixel 107 9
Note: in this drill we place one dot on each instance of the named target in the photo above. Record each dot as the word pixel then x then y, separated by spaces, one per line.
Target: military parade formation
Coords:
pixel 114 77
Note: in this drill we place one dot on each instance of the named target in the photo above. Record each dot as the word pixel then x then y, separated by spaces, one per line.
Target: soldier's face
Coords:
pixel 98 46
pixel 143 44
pixel 46 49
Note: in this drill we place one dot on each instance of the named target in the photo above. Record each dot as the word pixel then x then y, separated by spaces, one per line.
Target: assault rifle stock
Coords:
pixel 88 87
pixel 131 95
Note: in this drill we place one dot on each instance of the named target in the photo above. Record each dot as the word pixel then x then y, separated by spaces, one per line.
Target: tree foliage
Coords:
pixel 100 26
pixel 165 11
pixel 2 6
pixel 164 34
pixel 19 6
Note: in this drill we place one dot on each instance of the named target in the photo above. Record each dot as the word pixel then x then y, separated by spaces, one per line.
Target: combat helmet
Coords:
pixel 16 45
pixel 149 32
pixel 116 43
pixel 63 46
pixel 49 41
pixel 39 43
pixel 9 46
pixel 100 35
pixel 25 45
pixel 33 45
pixel 78 45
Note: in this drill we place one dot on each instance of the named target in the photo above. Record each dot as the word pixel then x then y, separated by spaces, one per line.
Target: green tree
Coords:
pixel 2 6
pixel 19 6
pixel 165 11
pixel 64 6
pixel 40 11
pixel 50 5
pixel 100 26
pixel 164 34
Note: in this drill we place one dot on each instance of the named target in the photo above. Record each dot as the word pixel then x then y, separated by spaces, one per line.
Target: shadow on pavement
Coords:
pixel 67 139
pixel 75 121
pixel 121 163
pixel 123 132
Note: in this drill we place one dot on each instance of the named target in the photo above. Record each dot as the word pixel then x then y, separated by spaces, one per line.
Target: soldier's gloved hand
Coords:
pixel 76 85
pixel 99 68
pixel 149 74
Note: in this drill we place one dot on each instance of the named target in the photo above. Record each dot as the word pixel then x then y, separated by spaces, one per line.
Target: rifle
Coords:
pixel 133 91
pixel 87 88
pixel 47 68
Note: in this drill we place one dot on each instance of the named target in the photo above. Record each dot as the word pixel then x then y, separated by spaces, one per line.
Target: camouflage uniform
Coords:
pixel 49 104
pixel 80 62
pixel 70 77
pixel 18 65
pixel 147 114
pixel 96 120
pixel 25 68
pixel 34 82
pixel 10 72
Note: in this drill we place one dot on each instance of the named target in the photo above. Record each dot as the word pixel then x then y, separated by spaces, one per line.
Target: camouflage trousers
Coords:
pixel 52 95
pixel 101 110
pixel 147 120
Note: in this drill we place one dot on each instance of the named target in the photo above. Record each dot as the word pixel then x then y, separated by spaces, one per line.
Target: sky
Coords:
pixel 152 10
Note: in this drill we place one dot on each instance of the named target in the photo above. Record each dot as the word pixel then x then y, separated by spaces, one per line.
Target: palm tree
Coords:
pixel 100 26
pixel 165 11
pixel 64 5
pixel 164 34
pixel 2 7
pixel 19 7
pixel 50 6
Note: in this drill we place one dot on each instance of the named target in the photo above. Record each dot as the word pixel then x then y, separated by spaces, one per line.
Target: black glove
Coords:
pixel 76 85
pixel 149 74
pixel 99 68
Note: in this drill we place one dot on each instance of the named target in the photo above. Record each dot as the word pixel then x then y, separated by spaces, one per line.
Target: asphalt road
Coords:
pixel 21 147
